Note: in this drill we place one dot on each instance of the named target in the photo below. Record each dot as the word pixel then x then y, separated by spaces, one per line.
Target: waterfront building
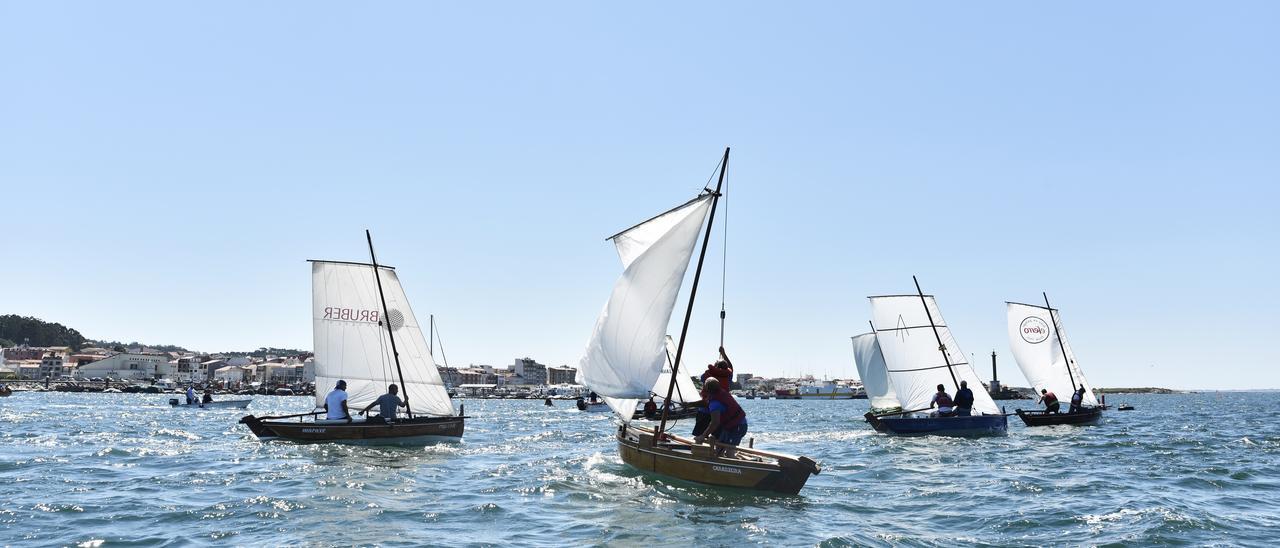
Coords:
pixel 52 366
pixel 230 375
pixel 529 371
pixel 744 377
pixel 561 375
pixel 127 366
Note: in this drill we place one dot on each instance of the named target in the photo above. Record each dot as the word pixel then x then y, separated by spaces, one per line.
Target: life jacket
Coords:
pixel 725 376
pixel 733 414
pixel 1050 398
pixel 943 400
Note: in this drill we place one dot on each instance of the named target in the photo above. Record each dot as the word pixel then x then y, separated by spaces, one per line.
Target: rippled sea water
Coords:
pixel 124 469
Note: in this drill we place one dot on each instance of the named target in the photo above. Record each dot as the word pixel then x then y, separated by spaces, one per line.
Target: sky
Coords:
pixel 167 168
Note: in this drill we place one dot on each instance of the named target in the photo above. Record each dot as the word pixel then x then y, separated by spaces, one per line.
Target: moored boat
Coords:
pixel 626 355
pixel 1043 354
pixel 917 352
pixel 365 333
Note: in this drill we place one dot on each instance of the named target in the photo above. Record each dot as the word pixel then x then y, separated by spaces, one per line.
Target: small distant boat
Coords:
pixel 624 357
pixel 366 334
pixel 1124 407
pixel 284 391
pixel 6 392
pixel 1045 358
pixel 912 345
pixel 592 406
pixel 683 393
pixel 221 404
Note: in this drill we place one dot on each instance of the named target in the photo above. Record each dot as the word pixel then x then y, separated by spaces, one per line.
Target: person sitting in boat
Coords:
pixel 1050 401
pixel 964 400
pixel 942 400
pixel 594 397
pixel 650 408
pixel 1076 398
pixel 728 421
pixel 191 395
pixel 387 404
pixel 335 404
pixel 208 396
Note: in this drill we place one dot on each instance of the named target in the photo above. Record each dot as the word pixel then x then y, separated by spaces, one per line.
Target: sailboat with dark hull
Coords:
pixel 1045 358
pixel 365 333
pixel 626 354
pixel 918 353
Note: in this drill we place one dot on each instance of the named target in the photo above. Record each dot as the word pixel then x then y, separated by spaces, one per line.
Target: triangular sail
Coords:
pixel 1034 336
pixel 352 345
pixel 685 391
pixel 626 352
pixel 912 357
pixel 873 371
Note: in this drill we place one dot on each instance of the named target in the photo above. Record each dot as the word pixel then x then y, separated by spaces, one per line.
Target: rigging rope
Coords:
pixel 724 257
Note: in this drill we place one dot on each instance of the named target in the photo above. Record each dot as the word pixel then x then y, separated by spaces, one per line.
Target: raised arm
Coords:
pixel 726 358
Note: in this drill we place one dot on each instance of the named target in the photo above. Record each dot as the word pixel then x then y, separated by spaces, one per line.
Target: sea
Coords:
pixel 127 470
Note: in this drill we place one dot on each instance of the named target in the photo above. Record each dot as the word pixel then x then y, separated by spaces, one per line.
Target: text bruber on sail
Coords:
pixel 351 314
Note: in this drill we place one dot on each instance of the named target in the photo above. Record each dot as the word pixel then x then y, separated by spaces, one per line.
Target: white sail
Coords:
pixel 352 344
pixel 873 371
pixel 1034 337
pixel 912 357
pixel 625 354
pixel 685 391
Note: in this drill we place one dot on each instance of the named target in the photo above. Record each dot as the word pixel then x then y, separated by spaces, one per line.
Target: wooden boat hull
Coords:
pixel 972 426
pixel 1084 417
pixel 415 431
pixel 224 404
pixel 681 459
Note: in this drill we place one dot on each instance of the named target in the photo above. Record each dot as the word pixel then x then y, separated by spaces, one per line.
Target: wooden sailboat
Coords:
pixel 1045 358
pixel 918 353
pixel 683 397
pixel 365 333
pixel 625 356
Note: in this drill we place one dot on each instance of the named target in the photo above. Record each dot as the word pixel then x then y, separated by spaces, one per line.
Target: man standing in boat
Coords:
pixel 728 421
pixel 721 371
pixel 387 404
pixel 335 404
pixel 1050 401
pixel 1076 398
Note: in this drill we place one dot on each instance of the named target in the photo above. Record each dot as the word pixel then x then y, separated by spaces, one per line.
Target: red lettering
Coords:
pixel 328 312
pixel 373 316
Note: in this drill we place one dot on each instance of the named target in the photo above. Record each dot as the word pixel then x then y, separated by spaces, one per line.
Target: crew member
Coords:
pixel 387 404
pixel 1050 401
pixel 208 396
pixel 728 421
pixel 335 404
pixel 722 371
pixel 191 395
pixel 1076 398
pixel 964 400
pixel 650 409
pixel 942 400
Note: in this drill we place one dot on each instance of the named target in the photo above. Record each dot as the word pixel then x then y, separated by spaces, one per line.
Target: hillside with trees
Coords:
pixel 16 329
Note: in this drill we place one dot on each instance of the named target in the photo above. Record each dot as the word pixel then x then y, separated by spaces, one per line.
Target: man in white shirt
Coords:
pixel 335 404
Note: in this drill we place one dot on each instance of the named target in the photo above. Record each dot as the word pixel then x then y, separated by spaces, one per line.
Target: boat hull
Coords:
pixel 415 431
pixel 697 463
pixel 1085 417
pixel 972 426
pixel 225 404
pixel 598 407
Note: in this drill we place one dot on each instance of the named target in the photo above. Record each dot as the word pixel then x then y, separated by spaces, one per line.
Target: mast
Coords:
pixel 431 339
pixel 387 320
pixel 693 292
pixel 1061 347
pixel 941 347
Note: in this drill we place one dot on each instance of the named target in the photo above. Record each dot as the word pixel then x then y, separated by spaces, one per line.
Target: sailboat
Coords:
pixel 919 353
pixel 1045 358
pixel 682 398
pixel 625 355
pixel 365 333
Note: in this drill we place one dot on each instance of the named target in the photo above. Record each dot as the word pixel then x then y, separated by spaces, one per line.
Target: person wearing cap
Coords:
pixel 335 404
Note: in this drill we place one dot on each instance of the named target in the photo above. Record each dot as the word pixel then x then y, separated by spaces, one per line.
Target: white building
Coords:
pixel 128 367
pixel 529 371
pixel 230 374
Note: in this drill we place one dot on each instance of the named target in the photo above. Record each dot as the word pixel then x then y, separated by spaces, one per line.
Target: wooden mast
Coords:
pixel 1061 347
pixel 941 347
pixel 386 319
pixel 693 293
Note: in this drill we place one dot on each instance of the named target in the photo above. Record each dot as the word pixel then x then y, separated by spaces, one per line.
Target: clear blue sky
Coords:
pixel 166 168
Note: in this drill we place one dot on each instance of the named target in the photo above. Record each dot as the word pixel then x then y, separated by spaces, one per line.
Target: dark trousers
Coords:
pixel 700 423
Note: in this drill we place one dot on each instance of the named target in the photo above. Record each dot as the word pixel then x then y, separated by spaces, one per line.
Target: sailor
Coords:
pixel 964 400
pixel 943 401
pixel 650 408
pixel 191 395
pixel 728 421
pixel 387 404
pixel 208 396
pixel 721 370
pixel 1076 398
pixel 1050 401
pixel 335 404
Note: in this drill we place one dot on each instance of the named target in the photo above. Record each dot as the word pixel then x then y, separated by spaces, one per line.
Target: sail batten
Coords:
pixel 1038 343
pixel 352 344
pixel 915 362
pixel 625 355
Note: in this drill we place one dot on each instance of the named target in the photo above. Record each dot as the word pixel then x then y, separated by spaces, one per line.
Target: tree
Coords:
pixel 37 332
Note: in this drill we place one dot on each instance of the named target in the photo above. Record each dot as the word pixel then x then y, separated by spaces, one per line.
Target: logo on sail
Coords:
pixel 1034 330
pixel 396 319
pixel 350 314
